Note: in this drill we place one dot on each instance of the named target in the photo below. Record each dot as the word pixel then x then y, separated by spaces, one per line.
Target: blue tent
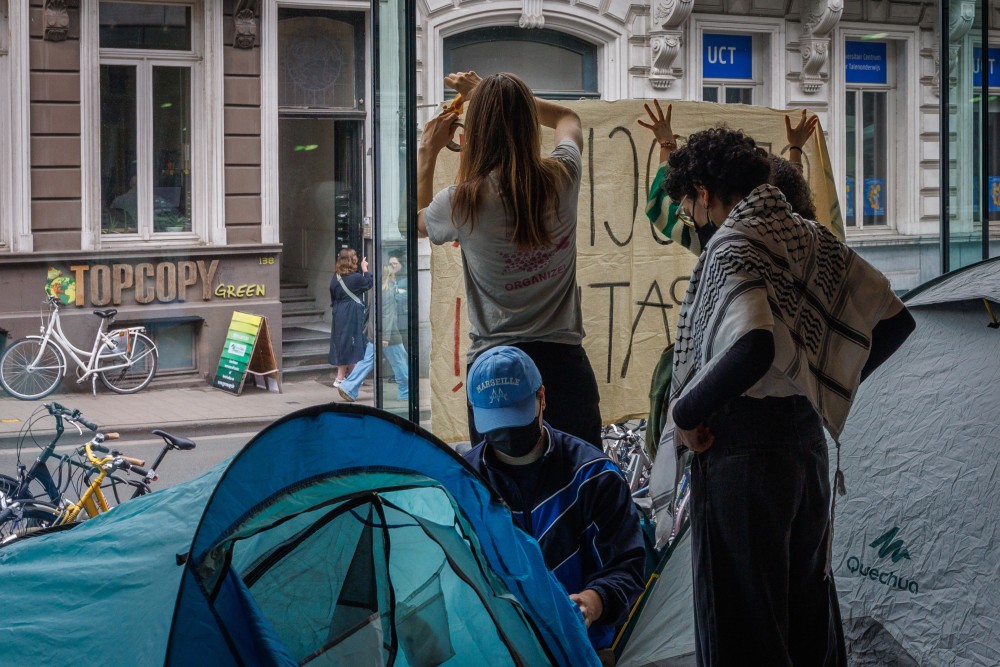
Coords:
pixel 340 535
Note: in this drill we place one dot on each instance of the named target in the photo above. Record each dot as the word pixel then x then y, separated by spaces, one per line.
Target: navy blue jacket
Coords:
pixel 582 515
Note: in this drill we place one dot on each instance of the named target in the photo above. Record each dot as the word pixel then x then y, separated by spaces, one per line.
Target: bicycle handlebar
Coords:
pixel 59 411
pixel 130 460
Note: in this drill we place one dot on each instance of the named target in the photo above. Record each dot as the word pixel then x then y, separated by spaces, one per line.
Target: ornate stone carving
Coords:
pixel 960 20
pixel 531 15
pixel 671 13
pixel 666 40
pixel 819 17
pixel 56 21
pixel 665 48
pixel 246 29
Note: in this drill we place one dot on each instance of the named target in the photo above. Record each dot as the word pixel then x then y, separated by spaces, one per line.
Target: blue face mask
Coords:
pixel 516 441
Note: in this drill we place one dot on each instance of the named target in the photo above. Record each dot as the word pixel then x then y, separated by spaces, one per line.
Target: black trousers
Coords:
pixel 760 526
pixel 572 400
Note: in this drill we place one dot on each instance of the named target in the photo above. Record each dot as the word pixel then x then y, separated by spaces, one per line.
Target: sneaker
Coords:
pixel 336 384
pixel 344 395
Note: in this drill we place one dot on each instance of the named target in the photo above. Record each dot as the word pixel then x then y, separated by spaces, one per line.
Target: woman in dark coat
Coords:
pixel 347 334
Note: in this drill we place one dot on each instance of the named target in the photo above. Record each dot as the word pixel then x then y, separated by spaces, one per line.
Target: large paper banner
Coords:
pixel 631 278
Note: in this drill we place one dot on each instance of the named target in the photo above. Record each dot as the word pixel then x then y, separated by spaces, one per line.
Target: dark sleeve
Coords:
pixel 740 368
pixel 619 544
pixel 365 281
pixel 887 336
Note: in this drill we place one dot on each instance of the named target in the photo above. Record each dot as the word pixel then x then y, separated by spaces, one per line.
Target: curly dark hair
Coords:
pixel 728 163
pixel 789 179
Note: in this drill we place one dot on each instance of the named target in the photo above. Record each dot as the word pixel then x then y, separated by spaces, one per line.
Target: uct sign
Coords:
pixel 727 56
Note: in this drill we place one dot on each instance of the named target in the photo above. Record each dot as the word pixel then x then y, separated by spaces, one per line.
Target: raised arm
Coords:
pixel 798 136
pixel 437 133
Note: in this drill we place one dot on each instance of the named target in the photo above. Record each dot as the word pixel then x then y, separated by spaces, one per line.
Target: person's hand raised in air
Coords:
pixel 661 129
pixel 463 82
pixel 798 136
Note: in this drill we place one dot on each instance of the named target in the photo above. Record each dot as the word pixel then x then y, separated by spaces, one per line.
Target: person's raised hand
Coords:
pixel 462 82
pixel 798 136
pixel 438 132
pixel 364 265
pixel 660 127
pixel 698 440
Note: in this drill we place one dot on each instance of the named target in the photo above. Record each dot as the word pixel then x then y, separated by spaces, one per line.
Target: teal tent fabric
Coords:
pixel 111 581
pixel 339 535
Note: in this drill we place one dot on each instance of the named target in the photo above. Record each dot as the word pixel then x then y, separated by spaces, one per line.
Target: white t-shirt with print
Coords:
pixel 516 296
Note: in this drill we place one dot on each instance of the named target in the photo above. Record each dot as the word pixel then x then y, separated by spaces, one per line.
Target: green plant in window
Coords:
pixel 171 221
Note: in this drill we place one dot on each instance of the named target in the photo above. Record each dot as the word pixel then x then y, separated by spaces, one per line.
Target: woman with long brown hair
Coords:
pixel 513 212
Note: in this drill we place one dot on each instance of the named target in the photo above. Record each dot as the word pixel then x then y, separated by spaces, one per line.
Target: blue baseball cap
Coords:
pixel 502 386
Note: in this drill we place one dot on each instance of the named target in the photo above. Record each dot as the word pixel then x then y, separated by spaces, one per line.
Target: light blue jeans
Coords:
pixel 395 354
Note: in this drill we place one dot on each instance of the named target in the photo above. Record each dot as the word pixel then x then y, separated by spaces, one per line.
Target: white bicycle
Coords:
pixel 124 359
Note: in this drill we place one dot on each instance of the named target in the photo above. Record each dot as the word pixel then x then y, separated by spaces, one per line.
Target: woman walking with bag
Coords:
pixel 513 213
pixel 347 333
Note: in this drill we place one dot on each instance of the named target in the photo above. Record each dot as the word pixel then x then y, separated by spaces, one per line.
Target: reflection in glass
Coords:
pixel 132 25
pixel 710 94
pixel 739 95
pixel 171 149
pixel 851 138
pixel 119 179
pixel 393 201
pixel 875 152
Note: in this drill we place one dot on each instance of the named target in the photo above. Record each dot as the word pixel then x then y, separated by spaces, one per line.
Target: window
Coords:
pixel 730 68
pixel 992 144
pixel 147 120
pixel 868 188
pixel 553 64
pixel 321 138
pixel 176 343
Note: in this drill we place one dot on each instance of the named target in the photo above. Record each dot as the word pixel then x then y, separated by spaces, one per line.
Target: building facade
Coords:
pixel 870 70
pixel 185 159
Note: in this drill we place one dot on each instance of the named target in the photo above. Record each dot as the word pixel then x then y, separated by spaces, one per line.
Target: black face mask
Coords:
pixel 517 441
pixel 705 232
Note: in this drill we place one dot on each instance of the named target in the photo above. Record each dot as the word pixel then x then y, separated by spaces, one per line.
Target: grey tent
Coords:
pixel 916 542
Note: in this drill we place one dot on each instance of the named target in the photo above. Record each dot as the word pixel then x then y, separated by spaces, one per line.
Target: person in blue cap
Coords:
pixel 561 490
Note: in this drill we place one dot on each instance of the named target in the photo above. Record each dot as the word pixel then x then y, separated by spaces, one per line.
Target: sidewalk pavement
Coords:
pixel 187 411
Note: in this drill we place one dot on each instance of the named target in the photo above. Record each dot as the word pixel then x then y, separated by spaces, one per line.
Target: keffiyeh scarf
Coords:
pixel 767 268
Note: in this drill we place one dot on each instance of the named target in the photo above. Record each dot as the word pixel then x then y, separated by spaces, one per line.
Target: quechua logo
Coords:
pixel 885 545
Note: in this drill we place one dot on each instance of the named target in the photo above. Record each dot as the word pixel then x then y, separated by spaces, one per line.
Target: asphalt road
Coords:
pixel 177 467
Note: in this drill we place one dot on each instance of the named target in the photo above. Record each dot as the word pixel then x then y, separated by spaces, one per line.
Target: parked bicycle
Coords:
pixel 35 500
pixel 124 359
pixel 626 446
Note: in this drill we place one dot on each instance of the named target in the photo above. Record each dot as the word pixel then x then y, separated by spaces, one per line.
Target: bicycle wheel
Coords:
pixel 142 359
pixel 27 379
pixel 27 516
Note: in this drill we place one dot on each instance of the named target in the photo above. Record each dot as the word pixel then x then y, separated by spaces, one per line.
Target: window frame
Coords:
pixel 767 36
pixel 902 82
pixel 589 52
pixel 205 63
pixel 269 198
pixel 15 141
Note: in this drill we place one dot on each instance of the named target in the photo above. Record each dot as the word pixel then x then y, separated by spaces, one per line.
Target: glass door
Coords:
pixel 397 368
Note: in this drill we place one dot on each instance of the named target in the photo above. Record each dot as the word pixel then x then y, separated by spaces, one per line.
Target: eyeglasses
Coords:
pixel 683 215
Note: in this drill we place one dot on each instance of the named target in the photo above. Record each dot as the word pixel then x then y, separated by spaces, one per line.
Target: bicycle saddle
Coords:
pixel 177 441
pixel 110 312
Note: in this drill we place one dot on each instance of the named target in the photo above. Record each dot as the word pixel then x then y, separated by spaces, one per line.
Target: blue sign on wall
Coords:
pixel 727 56
pixel 874 197
pixel 994 194
pixel 850 197
pixel 865 62
pixel 992 67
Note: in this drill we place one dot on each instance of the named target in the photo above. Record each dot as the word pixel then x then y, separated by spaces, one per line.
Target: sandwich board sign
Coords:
pixel 247 350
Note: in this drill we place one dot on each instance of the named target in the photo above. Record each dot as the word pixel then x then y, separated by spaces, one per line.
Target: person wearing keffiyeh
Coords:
pixel 780 323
